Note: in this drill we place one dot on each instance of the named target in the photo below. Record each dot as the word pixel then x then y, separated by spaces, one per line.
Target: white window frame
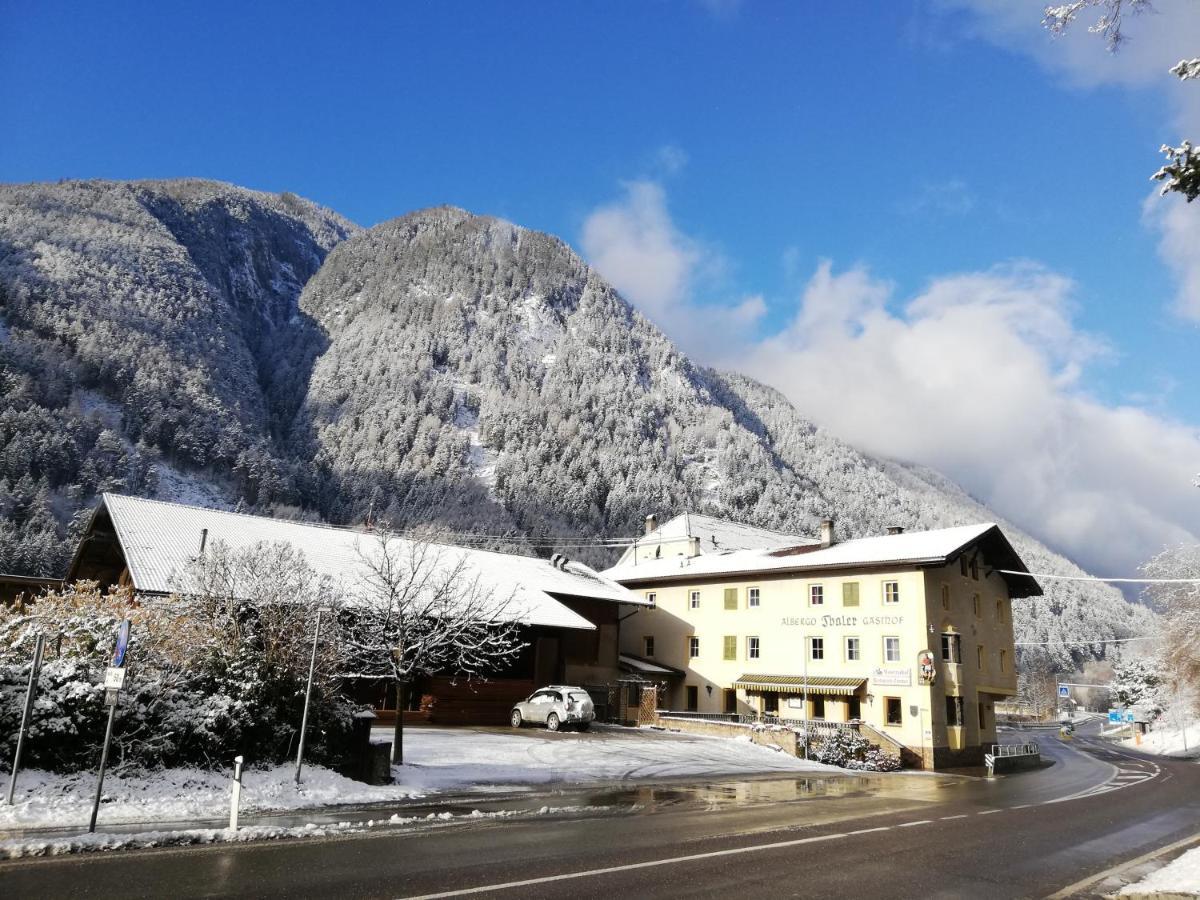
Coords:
pixel 652 599
pixel 886 656
pixel 894 593
pixel 816 595
pixel 753 648
pixel 853 654
pixel 693 600
pixel 753 597
pixel 693 646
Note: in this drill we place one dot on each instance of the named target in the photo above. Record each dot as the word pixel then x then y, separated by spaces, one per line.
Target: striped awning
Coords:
pixel 794 684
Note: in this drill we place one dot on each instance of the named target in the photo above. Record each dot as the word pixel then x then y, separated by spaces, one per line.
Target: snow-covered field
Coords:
pixel 1169 741
pixel 1180 877
pixel 437 760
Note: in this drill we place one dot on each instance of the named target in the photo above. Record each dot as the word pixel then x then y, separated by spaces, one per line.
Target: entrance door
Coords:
pixel 545 666
pixel 853 708
pixel 693 698
pixel 730 700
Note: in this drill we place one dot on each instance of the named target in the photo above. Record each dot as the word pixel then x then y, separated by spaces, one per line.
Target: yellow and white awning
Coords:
pixel 795 684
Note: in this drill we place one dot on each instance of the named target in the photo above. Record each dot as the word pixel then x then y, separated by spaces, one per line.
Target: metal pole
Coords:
pixel 30 691
pixel 312 665
pixel 112 712
pixel 807 650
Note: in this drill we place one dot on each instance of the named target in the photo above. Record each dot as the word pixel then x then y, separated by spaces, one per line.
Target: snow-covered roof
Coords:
pixel 915 548
pixel 720 536
pixel 644 666
pixel 160 540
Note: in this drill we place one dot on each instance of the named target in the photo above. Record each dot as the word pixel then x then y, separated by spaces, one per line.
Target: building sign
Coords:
pixel 885 676
pixel 828 621
pixel 795 703
pixel 925 667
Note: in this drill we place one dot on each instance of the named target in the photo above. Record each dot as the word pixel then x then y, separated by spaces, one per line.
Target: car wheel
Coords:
pixel 515 718
pixel 552 722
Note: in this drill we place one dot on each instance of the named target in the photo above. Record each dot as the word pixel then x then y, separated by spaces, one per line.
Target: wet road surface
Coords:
pixel 917 835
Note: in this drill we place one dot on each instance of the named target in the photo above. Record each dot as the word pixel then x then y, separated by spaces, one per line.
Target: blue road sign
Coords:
pixel 1064 691
pixel 1114 715
pixel 118 659
pixel 1129 715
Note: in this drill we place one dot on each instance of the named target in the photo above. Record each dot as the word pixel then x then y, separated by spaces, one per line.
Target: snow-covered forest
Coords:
pixel 197 341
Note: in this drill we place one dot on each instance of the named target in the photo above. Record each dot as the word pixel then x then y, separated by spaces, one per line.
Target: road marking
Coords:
pixel 948 818
pixel 988 812
pixel 1072 889
pixel 590 873
pixel 911 824
pixel 1022 806
pixel 870 830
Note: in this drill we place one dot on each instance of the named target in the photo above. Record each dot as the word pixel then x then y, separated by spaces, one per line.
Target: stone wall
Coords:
pixel 782 738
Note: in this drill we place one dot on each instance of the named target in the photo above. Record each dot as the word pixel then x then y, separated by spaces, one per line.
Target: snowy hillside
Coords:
pixel 199 339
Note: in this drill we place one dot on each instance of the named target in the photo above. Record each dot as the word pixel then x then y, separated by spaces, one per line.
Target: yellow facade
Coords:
pixel 866 628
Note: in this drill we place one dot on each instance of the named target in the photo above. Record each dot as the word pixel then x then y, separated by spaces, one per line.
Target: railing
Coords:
pixel 1029 748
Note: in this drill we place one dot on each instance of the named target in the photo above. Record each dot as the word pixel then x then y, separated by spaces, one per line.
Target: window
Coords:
pixel 752 648
pixel 648 645
pixel 975 567
pixel 771 704
pixel 894 711
pixel 694 647
pixel 952 647
pixel 975 604
pixel 633 697
pixel 962 565
pixel 816 594
pixel 652 599
pixel 730 700
pixel 1000 611
pixel 731 598
pixel 850 593
pixel 891 649
pixel 816 648
pixel 818 707
pixel 1003 660
pixel 954 712
pixel 982 717
pixel 753 596
pixel 891 592
pixel 694 599
pixel 945 596
pixel 730 649
pixel 693 698
pixel 979 657
pixel 853 649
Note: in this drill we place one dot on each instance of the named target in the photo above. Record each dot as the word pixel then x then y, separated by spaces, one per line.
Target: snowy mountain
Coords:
pixel 195 340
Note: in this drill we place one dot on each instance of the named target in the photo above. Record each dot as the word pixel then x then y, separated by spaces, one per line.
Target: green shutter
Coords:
pixel 731 598
pixel 850 593
pixel 730 646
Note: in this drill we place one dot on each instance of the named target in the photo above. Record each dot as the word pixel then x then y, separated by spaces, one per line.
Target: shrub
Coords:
pixel 851 750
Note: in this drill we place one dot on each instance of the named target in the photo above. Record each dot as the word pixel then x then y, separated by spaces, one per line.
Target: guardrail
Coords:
pixel 1012 756
pixel 1029 748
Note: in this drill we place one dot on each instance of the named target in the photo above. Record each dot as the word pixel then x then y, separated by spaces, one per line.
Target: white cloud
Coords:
pixel 670 158
pixel 950 197
pixel 979 376
pixel 634 243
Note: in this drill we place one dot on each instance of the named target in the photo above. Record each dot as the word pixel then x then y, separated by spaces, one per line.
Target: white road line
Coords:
pixel 988 812
pixel 590 873
pixel 1022 806
pixel 869 830
pixel 948 818
pixel 911 824
pixel 1073 889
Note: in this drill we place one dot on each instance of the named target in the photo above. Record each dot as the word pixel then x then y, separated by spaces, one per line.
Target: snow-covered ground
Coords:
pixel 437 760
pixel 1166 740
pixel 1180 877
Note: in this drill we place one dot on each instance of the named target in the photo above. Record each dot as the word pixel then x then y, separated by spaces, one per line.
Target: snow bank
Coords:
pixel 1169 741
pixel 1178 878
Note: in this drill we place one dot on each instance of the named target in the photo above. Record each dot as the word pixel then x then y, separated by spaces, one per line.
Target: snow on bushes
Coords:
pixel 851 750
pixel 208 678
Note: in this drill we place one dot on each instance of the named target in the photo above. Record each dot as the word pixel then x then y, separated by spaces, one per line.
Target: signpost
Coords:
pixel 38 649
pixel 114 680
pixel 1064 692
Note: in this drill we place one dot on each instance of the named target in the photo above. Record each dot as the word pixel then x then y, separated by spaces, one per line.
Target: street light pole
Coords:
pixel 312 666
pixel 38 649
pixel 806 650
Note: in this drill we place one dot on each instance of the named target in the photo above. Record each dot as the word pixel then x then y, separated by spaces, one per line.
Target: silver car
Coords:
pixel 555 706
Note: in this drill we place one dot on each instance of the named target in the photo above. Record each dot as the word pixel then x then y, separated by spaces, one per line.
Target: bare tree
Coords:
pixel 422 608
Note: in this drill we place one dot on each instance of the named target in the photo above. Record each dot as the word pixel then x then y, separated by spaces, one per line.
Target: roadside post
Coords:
pixel 236 798
pixel 114 680
pixel 312 666
pixel 39 648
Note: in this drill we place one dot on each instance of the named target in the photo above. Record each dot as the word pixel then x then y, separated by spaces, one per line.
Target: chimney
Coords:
pixel 826 532
pixel 651 522
pixel 895 529
pixel 203 540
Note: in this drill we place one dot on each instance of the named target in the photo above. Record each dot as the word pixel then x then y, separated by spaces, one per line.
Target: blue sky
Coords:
pixel 913 140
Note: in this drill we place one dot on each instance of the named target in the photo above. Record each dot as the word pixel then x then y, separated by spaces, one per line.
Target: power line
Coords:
pixel 1097 578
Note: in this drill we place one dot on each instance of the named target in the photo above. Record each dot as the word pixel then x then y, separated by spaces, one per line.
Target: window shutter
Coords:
pixel 850 593
pixel 731 646
pixel 731 598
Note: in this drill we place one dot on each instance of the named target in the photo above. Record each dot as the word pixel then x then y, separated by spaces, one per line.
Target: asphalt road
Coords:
pixel 1025 835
